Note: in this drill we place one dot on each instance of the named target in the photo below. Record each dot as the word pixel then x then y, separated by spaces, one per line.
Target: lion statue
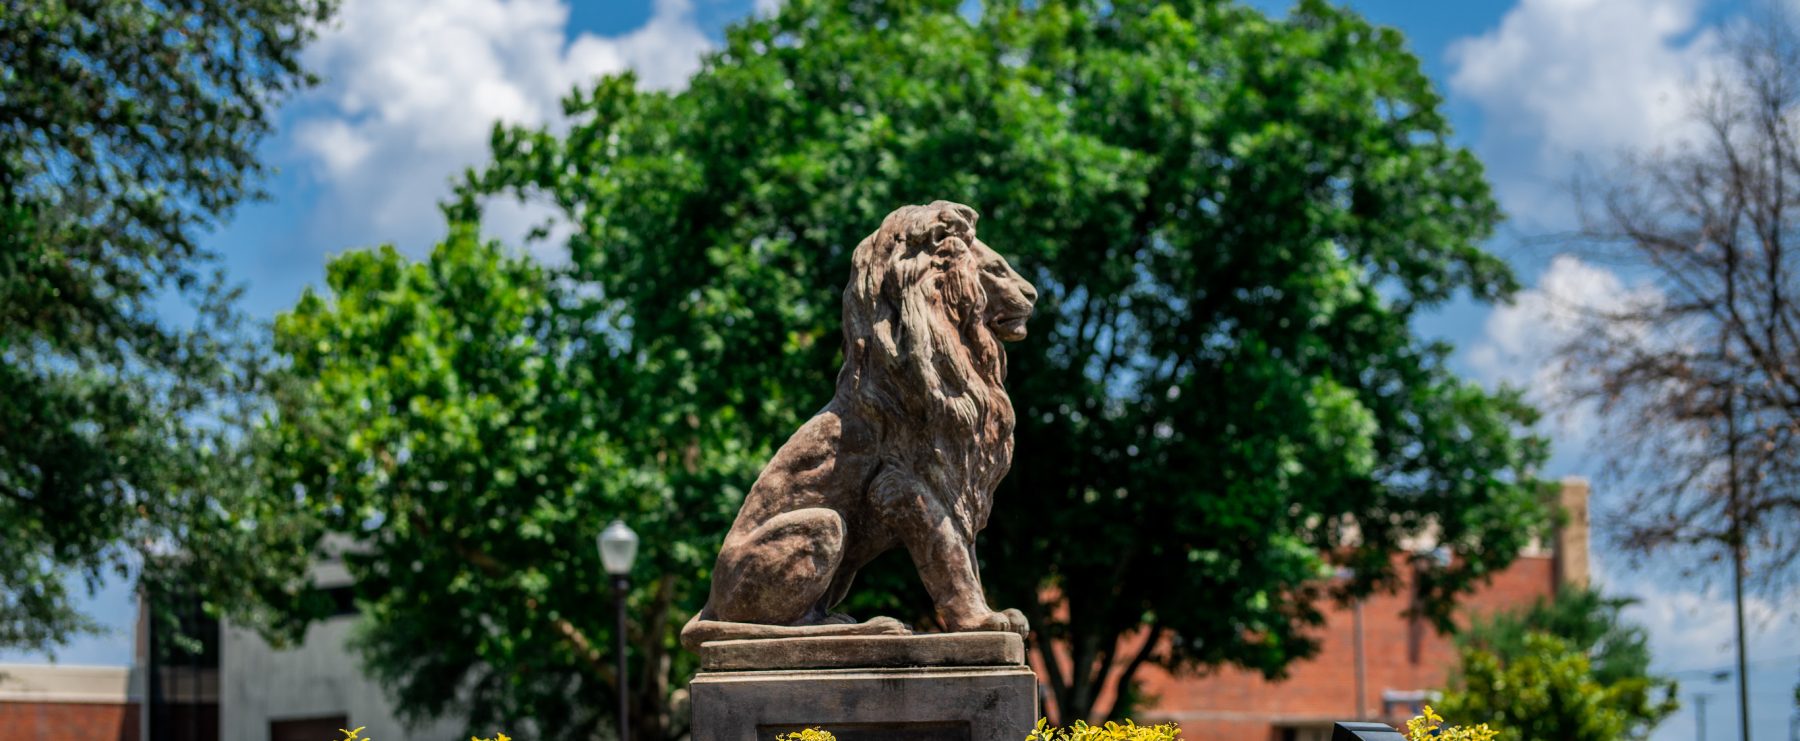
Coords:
pixel 907 454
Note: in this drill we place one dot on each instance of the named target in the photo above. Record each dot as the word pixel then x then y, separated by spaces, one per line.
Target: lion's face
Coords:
pixel 1010 298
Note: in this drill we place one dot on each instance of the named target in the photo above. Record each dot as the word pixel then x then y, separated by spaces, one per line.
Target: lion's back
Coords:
pixel 823 464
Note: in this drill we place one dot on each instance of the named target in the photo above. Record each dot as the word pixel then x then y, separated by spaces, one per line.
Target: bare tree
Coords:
pixel 1697 375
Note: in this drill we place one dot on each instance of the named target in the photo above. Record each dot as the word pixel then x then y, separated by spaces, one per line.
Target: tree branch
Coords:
pixel 1122 684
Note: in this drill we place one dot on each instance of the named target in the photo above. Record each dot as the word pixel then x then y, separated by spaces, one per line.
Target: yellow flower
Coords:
pixel 355 735
pixel 1111 731
pixel 1429 726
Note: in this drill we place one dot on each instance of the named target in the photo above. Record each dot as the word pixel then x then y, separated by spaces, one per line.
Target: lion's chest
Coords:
pixel 989 465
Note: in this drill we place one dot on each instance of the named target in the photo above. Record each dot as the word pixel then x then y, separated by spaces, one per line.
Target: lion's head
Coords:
pixel 926 309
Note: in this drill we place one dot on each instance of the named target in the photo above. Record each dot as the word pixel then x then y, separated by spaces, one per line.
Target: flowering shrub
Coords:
pixel 1081 731
pixel 356 735
pixel 1429 726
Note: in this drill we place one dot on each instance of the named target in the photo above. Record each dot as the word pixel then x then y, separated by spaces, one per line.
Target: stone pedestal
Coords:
pixel 953 687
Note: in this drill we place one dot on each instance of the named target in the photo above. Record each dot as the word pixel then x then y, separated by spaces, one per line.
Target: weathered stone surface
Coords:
pixel 840 652
pixel 906 455
pixel 915 704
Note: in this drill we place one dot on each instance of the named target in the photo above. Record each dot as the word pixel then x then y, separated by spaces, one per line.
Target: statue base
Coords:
pixel 946 687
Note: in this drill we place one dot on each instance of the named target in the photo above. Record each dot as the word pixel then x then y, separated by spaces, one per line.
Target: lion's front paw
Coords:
pixel 1004 621
pixel 1016 623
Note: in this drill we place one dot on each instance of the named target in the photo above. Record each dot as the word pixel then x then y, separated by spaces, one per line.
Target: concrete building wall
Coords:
pixel 320 679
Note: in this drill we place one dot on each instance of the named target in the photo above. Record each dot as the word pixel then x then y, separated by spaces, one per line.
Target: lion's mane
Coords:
pixel 921 364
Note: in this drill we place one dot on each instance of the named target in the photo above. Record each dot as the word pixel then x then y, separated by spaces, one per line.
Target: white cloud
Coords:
pixel 1519 342
pixel 413 87
pixel 1564 78
pixel 1586 75
pixel 767 7
pixel 1689 621
pixel 1693 636
pixel 1696 629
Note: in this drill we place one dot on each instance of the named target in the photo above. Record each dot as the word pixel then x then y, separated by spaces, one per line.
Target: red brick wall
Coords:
pixel 69 721
pixel 1399 654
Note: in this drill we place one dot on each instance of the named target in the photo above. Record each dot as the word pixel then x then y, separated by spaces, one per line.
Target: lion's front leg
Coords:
pixel 943 554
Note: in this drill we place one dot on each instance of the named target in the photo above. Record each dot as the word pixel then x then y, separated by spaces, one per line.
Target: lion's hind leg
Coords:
pixel 779 572
pixel 772 584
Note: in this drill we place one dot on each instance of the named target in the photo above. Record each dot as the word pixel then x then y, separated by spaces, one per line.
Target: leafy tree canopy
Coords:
pixel 1592 625
pixel 1547 688
pixel 1232 221
pixel 1591 622
pixel 126 129
pixel 452 424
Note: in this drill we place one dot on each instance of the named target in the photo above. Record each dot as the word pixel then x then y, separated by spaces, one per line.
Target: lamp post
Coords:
pixel 618 548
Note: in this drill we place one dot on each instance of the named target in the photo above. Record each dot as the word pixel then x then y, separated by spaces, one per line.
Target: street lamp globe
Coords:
pixel 618 548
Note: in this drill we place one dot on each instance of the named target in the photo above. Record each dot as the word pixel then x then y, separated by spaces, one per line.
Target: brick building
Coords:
pixel 229 685
pixel 1403 660
pixel 69 703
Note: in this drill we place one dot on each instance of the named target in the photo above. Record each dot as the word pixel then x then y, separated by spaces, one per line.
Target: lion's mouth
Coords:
pixel 1012 326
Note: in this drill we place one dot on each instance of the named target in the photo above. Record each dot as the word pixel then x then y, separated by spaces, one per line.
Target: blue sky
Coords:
pixel 412 87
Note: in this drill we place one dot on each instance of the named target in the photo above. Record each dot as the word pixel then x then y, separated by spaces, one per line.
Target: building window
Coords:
pixel 308 729
pixel 1404 703
pixel 343 600
pixel 1303 733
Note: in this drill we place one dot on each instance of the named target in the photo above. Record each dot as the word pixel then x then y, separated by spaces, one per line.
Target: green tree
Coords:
pixel 1232 221
pixel 1591 622
pixel 454 418
pixel 1547 689
pixel 127 129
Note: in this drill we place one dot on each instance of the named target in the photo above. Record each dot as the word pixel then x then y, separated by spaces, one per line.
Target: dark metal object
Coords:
pixel 1365 732
pixel 622 587
pixel 1362 685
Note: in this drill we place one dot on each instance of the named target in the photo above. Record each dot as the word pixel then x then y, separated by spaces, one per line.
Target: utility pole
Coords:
pixel 1734 505
pixel 1700 716
pixel 1735 512
pixel 1737 580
